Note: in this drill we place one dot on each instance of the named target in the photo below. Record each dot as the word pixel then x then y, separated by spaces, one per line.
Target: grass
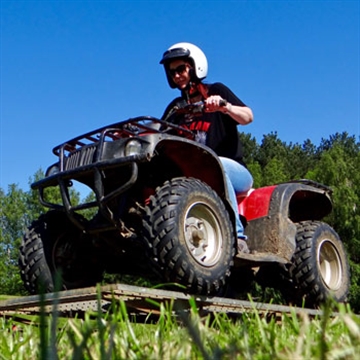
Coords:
pixel 183 335
pixel 7 297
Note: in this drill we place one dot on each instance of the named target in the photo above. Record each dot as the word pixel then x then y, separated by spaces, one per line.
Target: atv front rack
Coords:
pixel 129 128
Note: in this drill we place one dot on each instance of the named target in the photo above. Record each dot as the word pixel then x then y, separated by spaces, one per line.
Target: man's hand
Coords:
pixel 215 103
pixel 241 114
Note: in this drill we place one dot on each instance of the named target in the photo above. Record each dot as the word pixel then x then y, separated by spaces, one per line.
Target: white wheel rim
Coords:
pixel 203 235
pixel 330 265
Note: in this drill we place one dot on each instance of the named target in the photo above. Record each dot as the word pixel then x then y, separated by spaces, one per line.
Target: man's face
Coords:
pixel 179 71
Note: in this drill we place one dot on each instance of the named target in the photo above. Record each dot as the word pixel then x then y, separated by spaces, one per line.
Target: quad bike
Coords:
pixel 161 208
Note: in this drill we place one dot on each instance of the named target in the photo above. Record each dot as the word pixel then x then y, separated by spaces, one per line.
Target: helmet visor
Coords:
pixel 174 53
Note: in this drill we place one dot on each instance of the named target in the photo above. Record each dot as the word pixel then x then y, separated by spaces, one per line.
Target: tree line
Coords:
pixel 335 162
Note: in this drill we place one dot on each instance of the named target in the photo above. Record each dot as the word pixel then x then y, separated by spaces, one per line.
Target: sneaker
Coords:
pixel 242 246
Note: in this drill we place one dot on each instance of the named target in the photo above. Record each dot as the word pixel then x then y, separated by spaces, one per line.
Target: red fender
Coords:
pixel 256 203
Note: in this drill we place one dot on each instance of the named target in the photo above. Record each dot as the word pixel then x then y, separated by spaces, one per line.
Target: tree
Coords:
pixel 274 172
pixel 18 209
pixel 14 217
pixel 338 167
pixel 271 147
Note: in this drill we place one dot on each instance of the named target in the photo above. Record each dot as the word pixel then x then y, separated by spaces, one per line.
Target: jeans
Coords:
pixel 238 180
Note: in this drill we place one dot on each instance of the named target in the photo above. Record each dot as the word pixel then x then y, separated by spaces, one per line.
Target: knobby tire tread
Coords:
pixel 305 270
pixel 33 267
pixel 160 231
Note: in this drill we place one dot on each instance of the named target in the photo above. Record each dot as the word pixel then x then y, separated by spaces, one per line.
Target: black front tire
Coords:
pixel 320 267
pixel 54 249
pixel 190 235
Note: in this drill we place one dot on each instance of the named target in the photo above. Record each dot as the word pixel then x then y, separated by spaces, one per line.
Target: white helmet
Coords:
pixel 188 51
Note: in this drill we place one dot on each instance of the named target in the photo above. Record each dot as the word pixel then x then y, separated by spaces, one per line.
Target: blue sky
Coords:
pixel 68 67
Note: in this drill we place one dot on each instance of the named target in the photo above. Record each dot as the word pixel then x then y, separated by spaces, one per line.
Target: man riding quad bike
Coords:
pixel 162 209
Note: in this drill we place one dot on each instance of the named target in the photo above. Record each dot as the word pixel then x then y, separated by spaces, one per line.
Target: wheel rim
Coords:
pixel 329 264
pixel 203 236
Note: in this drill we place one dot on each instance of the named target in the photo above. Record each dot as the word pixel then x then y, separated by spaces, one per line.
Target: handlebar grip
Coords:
pixel 223 102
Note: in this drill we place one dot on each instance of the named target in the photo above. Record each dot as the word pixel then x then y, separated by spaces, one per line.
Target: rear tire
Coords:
pixel 320 267
pixel 190 235
pixel 53 248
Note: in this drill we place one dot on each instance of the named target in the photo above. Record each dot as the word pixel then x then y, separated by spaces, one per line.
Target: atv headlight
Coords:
pixel 52 170
pixel 133 147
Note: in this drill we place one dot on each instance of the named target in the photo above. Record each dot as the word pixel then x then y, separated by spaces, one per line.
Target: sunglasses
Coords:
pixel 178 70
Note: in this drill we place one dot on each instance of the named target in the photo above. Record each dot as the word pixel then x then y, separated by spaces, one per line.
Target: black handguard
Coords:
pixel 223 102
pixel 193 109
pixel 196 108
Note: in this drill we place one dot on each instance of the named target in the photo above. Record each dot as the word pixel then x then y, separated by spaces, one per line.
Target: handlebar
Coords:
pixel 196 108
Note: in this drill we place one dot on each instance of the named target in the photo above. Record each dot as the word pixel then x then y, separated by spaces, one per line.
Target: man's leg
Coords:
pixel 238 180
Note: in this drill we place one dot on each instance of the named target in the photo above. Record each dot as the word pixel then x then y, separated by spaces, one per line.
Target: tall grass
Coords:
pixel 184 334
